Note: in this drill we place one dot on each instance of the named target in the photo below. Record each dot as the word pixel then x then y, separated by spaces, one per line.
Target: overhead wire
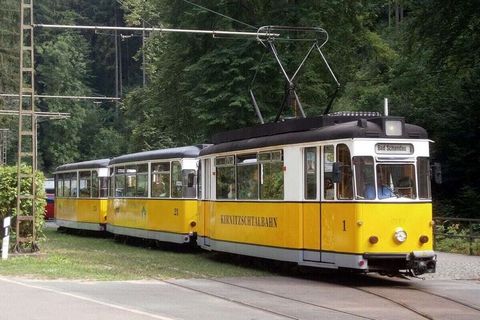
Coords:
pixel 221 14
pixel 122 3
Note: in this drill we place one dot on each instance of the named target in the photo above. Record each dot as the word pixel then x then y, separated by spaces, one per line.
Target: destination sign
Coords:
pixel 393 148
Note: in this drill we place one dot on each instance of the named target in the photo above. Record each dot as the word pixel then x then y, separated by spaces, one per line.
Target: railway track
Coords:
pixel 424 303
pixel 404 300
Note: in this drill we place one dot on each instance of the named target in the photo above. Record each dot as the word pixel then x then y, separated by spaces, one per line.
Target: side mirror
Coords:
pixel 337 172
pixel 437 172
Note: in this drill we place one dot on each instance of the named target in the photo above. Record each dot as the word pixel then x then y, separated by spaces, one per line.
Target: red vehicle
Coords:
pixel 50 195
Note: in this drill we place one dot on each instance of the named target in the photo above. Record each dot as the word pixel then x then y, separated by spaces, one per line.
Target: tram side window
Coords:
pixel 247 176
pixel 177 182
pixel 131 180
pixel 66 184
pixel 161 180
pixel 120 181
pixel 103 181
pixel 85 184
pixel 142 181
pixel 73 184
pixel 111 183
pixel 225 177
pixel 423 169
pixel 199 179
pixel 328 160
pixel 364 178
pixel 271 175
pixel 310 173
pixel 345 187
pixel 59 185
pixel 95 184
pixel 189 187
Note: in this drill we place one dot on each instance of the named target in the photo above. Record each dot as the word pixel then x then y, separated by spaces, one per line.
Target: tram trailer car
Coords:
pixel 81 191
pixel 153 195
pixel 346 190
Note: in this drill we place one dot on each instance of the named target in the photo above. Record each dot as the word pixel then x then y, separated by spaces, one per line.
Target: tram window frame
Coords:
pixel 189 183
pixel 130 180
pixel 310 173
pixel 66 185
pixel 73 185
pixel 199 179
pixel 424 190
pixel 111 182
pixel 85 184
pixel 141 190
pixel 328 161
pixel 345 186
pixel 160 179
pixel 176 178
pixel 390 180
pixel 271 164
pixel 95 184
pixel 103 187
pixel 119 181
pixel 225 190
pixel 247 171
pixel 59 185
pixel 364 173
pixel 208 179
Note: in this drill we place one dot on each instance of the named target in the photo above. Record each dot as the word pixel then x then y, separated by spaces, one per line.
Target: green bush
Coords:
pixel 454 238
pixel 8 199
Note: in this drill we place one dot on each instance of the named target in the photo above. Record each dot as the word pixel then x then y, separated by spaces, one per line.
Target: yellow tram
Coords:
pixel 81 195
pixel 345 190
pixel 153 194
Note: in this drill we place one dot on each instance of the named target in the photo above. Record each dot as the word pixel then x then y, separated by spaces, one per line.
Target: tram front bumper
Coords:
pixel 416 262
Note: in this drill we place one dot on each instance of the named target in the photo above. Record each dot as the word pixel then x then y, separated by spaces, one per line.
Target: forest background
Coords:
pixel 424 55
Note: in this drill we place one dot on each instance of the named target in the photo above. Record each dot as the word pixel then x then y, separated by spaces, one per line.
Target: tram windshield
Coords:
pixel 392 180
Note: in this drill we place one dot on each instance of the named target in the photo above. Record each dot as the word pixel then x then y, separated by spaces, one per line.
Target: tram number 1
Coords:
pixel 344 225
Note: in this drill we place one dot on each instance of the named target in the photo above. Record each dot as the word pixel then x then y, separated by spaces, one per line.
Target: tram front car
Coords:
pixel 391 188
pixel 381 211
pixel 355 194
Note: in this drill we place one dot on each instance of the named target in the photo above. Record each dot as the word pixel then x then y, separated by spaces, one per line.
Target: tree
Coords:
pixel 199 85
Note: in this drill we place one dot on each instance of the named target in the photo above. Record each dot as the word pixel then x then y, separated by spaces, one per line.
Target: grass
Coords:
pixel 68 256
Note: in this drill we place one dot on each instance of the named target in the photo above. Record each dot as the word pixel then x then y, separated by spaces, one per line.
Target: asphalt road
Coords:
pixel 324 296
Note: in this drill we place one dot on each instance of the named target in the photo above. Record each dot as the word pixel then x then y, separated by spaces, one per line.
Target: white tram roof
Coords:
pixel 91 164
pixel 171 153
pixel 324 128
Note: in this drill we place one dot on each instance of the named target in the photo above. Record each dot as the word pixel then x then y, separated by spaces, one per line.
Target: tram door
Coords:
pixel 206 205
pixel 312 205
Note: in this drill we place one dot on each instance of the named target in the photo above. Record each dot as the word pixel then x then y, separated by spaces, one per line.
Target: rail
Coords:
pixel 457 228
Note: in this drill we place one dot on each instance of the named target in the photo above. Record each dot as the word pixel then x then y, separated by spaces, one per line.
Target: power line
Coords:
pixel 122 3
pixel 42 96
pixel 220 14
pixel 212 32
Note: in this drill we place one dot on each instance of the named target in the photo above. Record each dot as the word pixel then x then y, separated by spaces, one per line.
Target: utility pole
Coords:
pixel 3 146
pixel 27 134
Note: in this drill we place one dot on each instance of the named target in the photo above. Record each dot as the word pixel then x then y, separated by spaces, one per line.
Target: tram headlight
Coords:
pixel 400 235
pixel 393 127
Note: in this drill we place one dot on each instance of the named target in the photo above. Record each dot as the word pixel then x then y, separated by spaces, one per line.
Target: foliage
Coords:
pixel 436 84
pixel 9 52
pixel 8 197
pixel 455 238
pixel 200 84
